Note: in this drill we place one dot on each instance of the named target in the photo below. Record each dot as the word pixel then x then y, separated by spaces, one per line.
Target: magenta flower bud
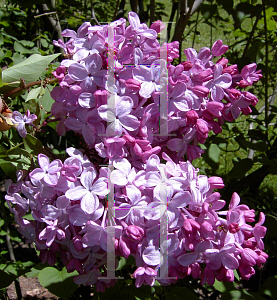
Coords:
pixel 191 226
pixel 77 242
pixel 246 110
pixel 262 257
pixel 187 65
pixel 206 115
pixel 124 248
pixel 232 70
pixel 158 26
pixel 250 97
pixel 223 61
pixel 200 91
pixel 229 275
pixel 217 128
pixel 133 85
pixel 129 139
pixel 59 72
pixel 101 97
pixel 249 257
pixel 246 271
pixel 191 117
pixel 135 233
pixel 233 93
pixel 234 227
pixel 215 182
pixel 218 48
pixel 204 76
pixel 202 127
pixel 249 215
pixel 144 144
pixel 215 108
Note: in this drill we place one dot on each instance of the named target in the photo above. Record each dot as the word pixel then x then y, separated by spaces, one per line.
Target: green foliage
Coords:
pixel 58 282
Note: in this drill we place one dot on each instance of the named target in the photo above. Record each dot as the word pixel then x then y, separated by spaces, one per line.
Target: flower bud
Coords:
pixel 218 48
pixel 215 108
pixel 191 117
pixel 200 91
pixel 124 247
pixel 215 182
pixel 133 85
pixel 202 127
pixel 204 76
pixel 101 97
pixel 158 26
pixel 135 233
pixel 187 65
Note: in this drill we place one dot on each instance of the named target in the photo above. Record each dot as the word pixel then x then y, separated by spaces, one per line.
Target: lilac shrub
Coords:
pixel 117 111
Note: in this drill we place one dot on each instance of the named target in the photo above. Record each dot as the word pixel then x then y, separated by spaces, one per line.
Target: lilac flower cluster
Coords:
pixel 68 203
pixel 117 107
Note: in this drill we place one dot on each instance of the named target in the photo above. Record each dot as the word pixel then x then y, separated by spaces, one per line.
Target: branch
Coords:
pixel 24 86
pixel 182 22
pixel 54 22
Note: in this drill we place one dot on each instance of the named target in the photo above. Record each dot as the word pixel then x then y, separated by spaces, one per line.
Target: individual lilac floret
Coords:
pixel 48 172
pixel 20 121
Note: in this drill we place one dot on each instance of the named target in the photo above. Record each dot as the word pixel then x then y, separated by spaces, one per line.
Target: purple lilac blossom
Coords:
pixel 68 200
pixel 72 219
pixel 20 121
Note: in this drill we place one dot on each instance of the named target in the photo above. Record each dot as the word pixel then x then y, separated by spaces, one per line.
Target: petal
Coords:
pixel 151 255
pixel 78 72
pixel 100 187
pixel 89 203
pixel 187 258
pixel 129 122
pixel 37 174
pixel 229 261
pixel 43 161
pixel 146 89
pixel 119 178
pixel 76 193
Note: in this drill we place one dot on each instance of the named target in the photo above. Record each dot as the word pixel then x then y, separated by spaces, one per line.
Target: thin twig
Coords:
pixel 26 86
pixel 45 14
pixel 116 9
pixel 251 33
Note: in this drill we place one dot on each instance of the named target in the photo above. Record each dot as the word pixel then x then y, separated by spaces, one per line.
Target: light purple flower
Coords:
pixel 20 121
pixel 48 172
pixel 219 83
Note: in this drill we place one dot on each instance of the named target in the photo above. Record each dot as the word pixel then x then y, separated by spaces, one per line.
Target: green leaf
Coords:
pixel 30 69
pixel 18 47
pixel 60 283
pixel 47 100
pixel 34 93
pixel 35 270
pixel 214 153
pixel 33 145
pixel 11 270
